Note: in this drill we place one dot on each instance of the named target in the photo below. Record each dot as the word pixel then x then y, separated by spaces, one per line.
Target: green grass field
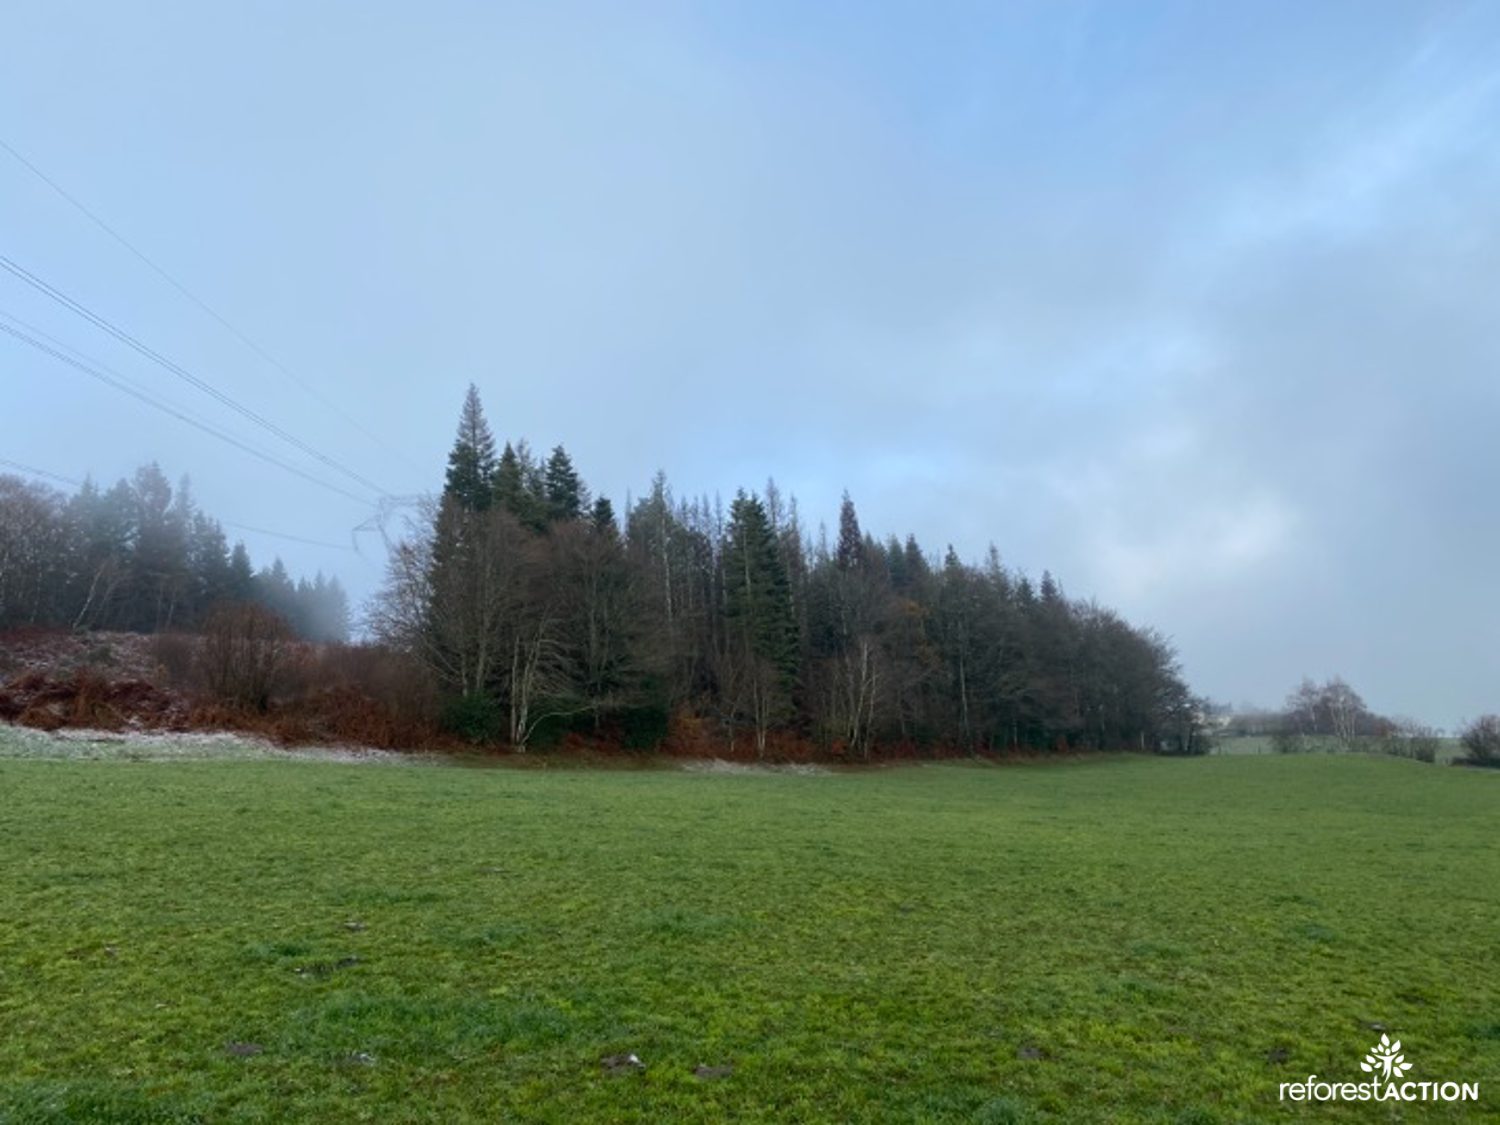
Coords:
pixel 1447 750
pixel 1108 940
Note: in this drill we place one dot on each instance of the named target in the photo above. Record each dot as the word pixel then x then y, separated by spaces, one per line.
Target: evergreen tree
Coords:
pixel 1051 592
pixel 241 582
pixel 33 553
pixel 141 557
pixel 510 481
pixel 275 590
pixel 602 517
pixel 566 496
pixel 759 660
pixel 334 618
pixel 895 563
pixel 159 551
pixel 757 592
pixel 471 463
pixel 100 558
pixel 209 563
pixel 323 612
pixel 851 549
pixel 520 486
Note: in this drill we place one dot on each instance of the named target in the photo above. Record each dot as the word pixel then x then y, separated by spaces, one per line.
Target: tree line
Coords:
pixel 140 557
pixel 536 610
pixel 1332 716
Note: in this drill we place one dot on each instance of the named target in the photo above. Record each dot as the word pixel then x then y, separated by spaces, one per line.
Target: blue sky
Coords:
pixel 1190 303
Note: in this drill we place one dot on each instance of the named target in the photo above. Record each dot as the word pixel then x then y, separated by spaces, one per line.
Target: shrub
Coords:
pixel 1481 738
pixel 402 684
pixel 475 718
pixel 1288 741
pixel 645 727
pixel 244 652
pixel 176 658
pixel 1410 739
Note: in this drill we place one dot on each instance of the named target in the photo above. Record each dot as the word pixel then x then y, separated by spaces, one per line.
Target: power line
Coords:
pixel 31 279
pixel 385 506
pixel 142 392
pixel 191 296
pixel 114 380
pixel 40 472
pixel 139 386
pixel 292 538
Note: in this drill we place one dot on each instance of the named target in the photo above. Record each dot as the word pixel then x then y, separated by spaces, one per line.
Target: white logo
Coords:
pixel 1387 1058
pixel 1389 1066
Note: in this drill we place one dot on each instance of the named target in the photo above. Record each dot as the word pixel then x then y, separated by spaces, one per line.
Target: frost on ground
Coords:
pixel 147 746
pixel 718 765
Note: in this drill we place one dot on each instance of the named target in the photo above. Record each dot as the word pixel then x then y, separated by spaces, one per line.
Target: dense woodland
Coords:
pixel 527 610
pixel 140 557
pixel 537 611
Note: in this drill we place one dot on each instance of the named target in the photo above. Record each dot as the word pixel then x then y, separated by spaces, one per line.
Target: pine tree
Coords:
pixel 471 463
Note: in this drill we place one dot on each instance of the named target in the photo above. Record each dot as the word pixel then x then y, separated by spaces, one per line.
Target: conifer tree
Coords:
pixel 759 662
pixel 275 590
pixel 471 463
pixel 602 517
pixel 520 486
pixel 241 580
pixel 851 549
pixel 757 592
pixel 510 481
pixel 566 497
pixel 209 566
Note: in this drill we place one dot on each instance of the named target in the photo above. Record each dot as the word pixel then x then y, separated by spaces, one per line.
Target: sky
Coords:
pixel 1193 305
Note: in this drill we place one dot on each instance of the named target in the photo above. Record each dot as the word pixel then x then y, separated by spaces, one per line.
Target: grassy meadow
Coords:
pixel 1448 749
pixel 1109 940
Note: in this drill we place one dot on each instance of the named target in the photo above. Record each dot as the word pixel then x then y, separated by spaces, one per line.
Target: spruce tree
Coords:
pixel 471 464
pixel 211 573
pixel 851 548
pixel 510 483
pixel 520 486
pixel 565 492
pixel 757 591
pixel 275 590
pixel 602 517
pixel 241 582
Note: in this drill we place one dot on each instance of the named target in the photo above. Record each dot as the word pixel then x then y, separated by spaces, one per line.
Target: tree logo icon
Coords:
pixel 1386 1058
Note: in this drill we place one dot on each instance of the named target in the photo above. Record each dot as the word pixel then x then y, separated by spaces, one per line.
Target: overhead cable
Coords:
pixel 40 472
pixel 156 404
pixel 193 297
pixel 37 283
